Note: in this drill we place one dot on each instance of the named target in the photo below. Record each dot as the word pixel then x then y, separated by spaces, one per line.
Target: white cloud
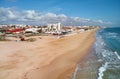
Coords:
pixel 10 15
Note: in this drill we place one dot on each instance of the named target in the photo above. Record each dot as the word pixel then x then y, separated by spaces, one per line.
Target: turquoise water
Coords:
pixel 111 37
pixel 103 61
pixel 107 49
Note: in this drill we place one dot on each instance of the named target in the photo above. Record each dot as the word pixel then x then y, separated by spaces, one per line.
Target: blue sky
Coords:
pixel 92 11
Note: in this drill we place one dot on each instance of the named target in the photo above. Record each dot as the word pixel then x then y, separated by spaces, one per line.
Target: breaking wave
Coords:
pixel 108 57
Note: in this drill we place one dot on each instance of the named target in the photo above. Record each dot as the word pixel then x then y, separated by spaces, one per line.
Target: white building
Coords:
pixel 32 30
pixel 54 28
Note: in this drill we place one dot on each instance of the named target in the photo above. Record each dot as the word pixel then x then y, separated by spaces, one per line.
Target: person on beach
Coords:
pixel 22 38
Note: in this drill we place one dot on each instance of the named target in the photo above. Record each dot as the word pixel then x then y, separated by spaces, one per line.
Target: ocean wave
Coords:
pixel 103 51
pixel 108 57
pixel 101 70
pixel 75 72
pixel 105 56
pixel 112 34
pixel 117 55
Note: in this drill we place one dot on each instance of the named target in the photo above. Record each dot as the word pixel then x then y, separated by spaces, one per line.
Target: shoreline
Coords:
pixel 46 58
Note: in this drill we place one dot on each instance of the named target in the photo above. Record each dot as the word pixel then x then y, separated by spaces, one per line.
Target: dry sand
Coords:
pixel 46 58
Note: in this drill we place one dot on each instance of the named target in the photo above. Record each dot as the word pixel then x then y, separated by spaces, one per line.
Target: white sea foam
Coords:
pixel 101 70
pixel 111 34
pixel 75 73
pixel 105 54
pixel 117 55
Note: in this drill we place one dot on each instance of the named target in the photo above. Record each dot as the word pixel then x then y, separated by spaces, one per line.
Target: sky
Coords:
pixel 68 12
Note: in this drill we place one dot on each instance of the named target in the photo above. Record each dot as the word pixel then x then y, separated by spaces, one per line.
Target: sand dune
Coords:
pixel 46 58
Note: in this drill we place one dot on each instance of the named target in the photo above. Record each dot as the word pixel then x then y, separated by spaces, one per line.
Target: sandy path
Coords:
pixel 46 58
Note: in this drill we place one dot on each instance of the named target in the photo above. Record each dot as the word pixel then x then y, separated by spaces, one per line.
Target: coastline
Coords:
pixel 46 58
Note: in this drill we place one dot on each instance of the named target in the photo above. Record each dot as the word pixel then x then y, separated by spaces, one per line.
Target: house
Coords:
pixel 17 30
pixel 54 28
pixel 31 30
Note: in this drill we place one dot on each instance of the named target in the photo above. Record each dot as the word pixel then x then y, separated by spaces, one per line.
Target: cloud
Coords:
pixel 32 17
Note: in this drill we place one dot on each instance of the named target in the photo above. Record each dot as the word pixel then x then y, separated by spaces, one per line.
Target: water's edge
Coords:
pixel 100 63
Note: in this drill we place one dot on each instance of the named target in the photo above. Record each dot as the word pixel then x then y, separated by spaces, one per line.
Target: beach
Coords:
pixel 45 58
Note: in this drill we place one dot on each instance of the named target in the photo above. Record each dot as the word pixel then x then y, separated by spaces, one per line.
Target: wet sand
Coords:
pixel 46 58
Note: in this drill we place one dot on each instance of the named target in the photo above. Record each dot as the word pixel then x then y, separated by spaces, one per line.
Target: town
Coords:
pixel 21 31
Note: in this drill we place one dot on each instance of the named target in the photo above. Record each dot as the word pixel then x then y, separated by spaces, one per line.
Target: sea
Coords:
pixel 103 60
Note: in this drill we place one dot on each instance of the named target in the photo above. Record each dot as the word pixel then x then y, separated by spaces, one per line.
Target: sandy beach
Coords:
pixel 46 58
